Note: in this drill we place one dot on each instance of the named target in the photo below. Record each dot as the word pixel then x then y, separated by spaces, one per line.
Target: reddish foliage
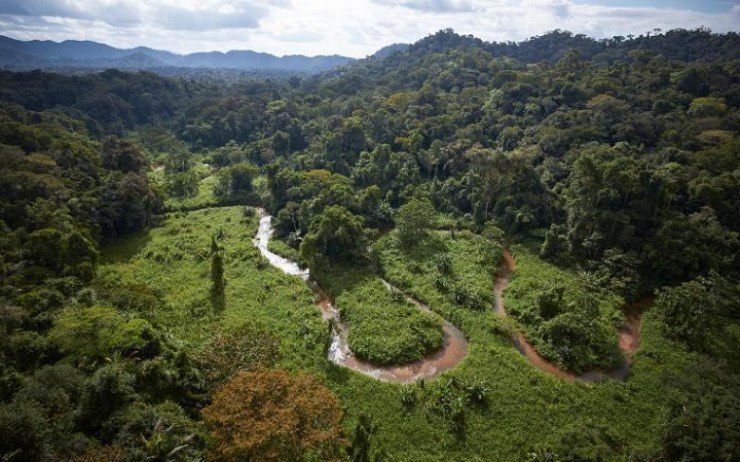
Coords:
pixel 271 415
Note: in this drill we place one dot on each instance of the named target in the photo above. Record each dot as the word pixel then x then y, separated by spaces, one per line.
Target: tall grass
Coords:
pixel 524 412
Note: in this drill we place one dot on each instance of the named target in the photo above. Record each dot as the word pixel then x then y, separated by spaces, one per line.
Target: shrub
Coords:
pixel 246 348
pixel 444 263
pixel 408 395
pixel 161 432
pixel 93 333
pixel 108 390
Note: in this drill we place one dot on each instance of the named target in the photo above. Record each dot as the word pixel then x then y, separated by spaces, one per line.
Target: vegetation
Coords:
pixel 336 234
pixel 570 322
pixel 697 312
pixel 609 168
pixel 218 284
pixel 271 415
pixel 440 271
pixel 384 328
pixel 413 219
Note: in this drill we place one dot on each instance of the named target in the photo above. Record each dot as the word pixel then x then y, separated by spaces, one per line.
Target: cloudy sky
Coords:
pixel 348 27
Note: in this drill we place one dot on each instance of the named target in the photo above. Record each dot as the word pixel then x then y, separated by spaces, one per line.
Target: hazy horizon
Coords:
pixel 355 29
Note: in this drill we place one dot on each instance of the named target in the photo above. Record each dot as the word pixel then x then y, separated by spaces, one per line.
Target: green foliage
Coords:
pixel 464 281
pixel 568 325
pixel 696 312
pixel 362 439
pixel 108 390
pixel 336 234
pixel 122 155
pixel 383 329
pixel 180 293
pixel 161 432
pixel 234 183
pixel 182 184
pixel 413 219
pixel 701 421
pixel 449 398
pixel 622 152
pixel 24 433
pixel 218 283
pixel 36 424
pixel 707 107
pixel 89 334
pixel 408 396
pixel 555 245
pixel 137 299
pixel 129 204
pixel 46 248
pixel 612 198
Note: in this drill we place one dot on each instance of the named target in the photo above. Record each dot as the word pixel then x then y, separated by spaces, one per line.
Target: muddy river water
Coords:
pixel 455 345
pixel 452 352
pixel 628 334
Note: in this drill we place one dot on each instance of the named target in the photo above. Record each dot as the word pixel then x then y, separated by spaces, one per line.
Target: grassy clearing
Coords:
pixel 524 410
pixel 174 259
pixel 202 199
pixel 384 328
pixel 569 323
pixel 449 273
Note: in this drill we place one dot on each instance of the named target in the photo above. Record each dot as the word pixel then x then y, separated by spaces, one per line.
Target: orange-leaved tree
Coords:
pixel 271 415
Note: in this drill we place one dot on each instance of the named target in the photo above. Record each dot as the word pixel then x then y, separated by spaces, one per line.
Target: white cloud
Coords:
pixel 355 28
pixel 432 6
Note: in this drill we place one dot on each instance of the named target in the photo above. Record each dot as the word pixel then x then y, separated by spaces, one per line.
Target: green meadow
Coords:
pixel 493 406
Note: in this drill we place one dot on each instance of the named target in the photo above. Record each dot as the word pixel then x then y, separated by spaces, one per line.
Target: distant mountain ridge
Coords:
pixel 699 45
pixel 18 55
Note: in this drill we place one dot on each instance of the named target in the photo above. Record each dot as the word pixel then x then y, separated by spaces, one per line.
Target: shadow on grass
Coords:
pixel 123 249
pixel 345 277
pixel 423 249
pixel 338 374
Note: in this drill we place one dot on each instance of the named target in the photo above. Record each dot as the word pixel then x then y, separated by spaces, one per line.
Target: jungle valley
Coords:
pixel 457 250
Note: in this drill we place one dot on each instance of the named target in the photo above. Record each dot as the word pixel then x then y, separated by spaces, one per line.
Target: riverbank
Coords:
pixel 451 351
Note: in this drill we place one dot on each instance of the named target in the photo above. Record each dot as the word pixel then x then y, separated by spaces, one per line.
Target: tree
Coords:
pixel 555 244
pixel 414 218
pixel 128 204
pixel 335 234
pixel 179 159
pixel 235 182
pixel 702 420
pixel 25 432
pixel 47 247
pixel 182 184
pixel 695 311
pixel 218 283
pixel 271 415
pixel 91 334
pixel 362 442
pixel 158 432
pixel 122 155
pixel 108 390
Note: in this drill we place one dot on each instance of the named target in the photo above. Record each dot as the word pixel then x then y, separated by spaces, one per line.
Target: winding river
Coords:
pixel 452 352
pixel 628 334
pixel 455 345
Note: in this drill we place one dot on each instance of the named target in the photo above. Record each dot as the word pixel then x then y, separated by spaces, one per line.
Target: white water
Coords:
pixel 453 351
pixel 264 233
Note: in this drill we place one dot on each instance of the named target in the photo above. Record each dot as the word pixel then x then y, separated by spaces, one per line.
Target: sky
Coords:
pixel 353 28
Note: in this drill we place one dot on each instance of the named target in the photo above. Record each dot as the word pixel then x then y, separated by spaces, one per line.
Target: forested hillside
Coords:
pixel 73 56
pixel 139 322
